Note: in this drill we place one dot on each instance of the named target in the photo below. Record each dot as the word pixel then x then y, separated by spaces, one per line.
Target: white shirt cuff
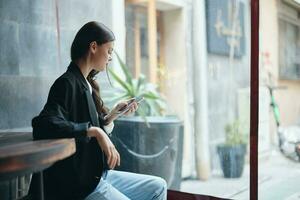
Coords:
pixel 109 128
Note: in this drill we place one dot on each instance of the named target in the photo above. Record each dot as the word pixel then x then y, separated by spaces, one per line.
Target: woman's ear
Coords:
pixel 93 46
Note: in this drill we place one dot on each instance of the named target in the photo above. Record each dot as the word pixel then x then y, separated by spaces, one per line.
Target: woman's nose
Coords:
pixel 109 59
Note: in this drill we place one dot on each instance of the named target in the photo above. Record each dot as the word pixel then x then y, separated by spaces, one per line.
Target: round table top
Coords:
pixel 25 157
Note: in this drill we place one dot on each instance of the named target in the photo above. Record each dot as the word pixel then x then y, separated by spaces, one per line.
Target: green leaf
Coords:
pixel 142 113
pixel 234 134
pixel 117 98
pixel 130 87
pixel 141 81
pixel 150 95
pixel 120 81
pixel 124 69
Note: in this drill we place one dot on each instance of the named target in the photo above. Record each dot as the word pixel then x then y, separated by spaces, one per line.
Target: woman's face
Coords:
pixel 101 55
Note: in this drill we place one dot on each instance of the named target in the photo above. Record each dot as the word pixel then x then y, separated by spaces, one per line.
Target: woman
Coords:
pixel 74 109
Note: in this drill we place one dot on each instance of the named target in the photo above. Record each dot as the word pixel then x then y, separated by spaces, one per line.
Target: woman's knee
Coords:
pixel 159 184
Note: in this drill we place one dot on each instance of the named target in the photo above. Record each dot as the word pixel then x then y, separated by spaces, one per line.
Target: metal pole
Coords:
pixel 40 186
pixel 36 190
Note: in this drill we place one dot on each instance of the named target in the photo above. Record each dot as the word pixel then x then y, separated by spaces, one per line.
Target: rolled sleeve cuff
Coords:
pixel 109 128
pixel 80 129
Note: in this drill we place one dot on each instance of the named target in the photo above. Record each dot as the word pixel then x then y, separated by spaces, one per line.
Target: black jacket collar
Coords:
pixel 73 67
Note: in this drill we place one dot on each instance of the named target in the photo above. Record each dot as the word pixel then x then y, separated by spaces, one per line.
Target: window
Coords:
pixel 144 40
pixel 289 49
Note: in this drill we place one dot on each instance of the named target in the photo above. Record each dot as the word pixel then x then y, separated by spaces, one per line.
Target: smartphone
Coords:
pixel 137 99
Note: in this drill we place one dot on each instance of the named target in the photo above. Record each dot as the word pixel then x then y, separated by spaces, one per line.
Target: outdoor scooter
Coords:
pixel 289 136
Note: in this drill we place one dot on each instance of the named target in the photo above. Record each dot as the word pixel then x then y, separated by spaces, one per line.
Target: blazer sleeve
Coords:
pixel 53 120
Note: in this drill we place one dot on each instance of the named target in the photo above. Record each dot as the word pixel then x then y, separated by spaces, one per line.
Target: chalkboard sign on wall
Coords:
pixel 225 27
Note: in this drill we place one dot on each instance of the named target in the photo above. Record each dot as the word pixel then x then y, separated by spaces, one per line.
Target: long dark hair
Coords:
pixel 92 31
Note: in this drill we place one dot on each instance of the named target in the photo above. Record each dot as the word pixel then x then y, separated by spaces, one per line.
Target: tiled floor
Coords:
pixel 279 179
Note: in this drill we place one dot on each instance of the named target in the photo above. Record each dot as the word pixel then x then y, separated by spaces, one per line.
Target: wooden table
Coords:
pixel 20 155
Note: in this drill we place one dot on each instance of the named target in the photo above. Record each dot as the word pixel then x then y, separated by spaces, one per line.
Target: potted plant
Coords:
pixel 129 87
pixel 232 152
pixel 149 142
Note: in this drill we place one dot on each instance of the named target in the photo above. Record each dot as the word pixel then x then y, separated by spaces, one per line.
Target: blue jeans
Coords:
pixel 117 185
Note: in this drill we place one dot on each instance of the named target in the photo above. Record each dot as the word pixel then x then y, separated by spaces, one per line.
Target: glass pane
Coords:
pixel 224 150
pixel 199 125
pixel 279 108
pixel 190 61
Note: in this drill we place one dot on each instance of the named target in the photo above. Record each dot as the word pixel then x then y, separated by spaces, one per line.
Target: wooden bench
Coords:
pixel 21 156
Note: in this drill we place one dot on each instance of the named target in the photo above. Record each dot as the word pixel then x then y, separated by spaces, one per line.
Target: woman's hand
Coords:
pixel 133 107
pixel 113 156
pixel 119 107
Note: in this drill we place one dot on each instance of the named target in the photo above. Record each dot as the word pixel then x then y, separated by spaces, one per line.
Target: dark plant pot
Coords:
pixel 232 159
pixel 155 150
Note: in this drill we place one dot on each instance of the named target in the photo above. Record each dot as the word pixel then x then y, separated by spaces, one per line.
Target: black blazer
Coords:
pixel 68 113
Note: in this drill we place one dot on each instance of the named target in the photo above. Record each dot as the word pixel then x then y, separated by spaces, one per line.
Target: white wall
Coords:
pixel 176 84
